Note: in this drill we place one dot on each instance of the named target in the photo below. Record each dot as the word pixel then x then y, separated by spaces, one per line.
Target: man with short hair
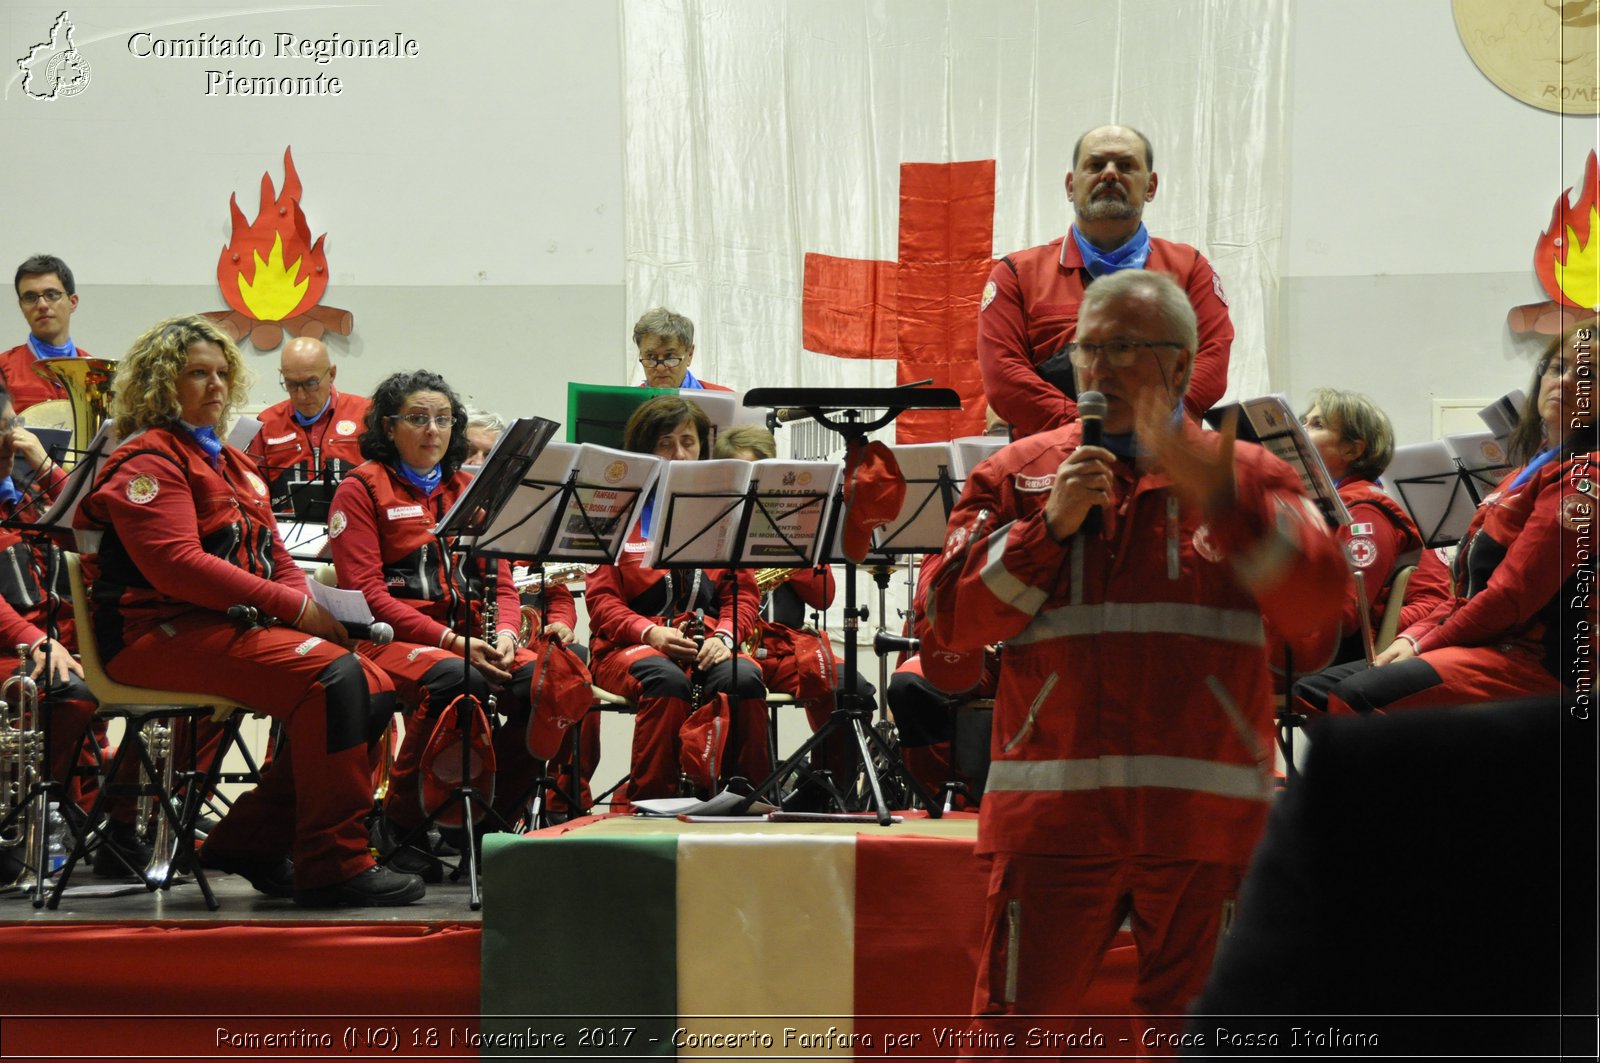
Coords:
pixel 666 347
pixel 1132 746
pixel 315 432
pixel 1029 309
pixel 47 295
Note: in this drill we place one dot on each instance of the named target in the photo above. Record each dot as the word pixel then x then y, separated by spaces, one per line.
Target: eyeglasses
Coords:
pixel 422 420
pixel 49 295
pixel 654 361
pixel 1118 354
pixel 309 385
pixel 9 423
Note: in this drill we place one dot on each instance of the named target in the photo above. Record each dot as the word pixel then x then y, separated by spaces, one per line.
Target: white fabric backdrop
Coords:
pixel 760 130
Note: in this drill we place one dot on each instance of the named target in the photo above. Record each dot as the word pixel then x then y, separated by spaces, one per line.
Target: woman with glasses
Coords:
pixel 1521 618
pixel 182 533
pixel 381 534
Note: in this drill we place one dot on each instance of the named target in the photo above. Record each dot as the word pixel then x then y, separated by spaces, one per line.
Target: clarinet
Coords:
pixel 697 681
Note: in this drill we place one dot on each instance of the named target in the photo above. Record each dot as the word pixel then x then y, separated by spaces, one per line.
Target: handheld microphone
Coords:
pixel 377 631
pixel 1092 414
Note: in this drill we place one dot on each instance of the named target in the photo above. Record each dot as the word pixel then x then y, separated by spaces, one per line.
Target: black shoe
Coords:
pixel 120 853
pixel 376 887
pixel 411 861
pixel 275 878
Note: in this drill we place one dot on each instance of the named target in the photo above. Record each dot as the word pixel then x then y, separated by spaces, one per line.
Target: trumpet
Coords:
pixel 534 577
pixel 768 578
pixel 21 768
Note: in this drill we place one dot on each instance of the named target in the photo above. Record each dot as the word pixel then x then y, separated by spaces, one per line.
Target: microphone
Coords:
pixel 1092 414
pixel 377 631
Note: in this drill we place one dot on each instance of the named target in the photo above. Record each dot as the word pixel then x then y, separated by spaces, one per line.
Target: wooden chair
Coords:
pixel 1389 626
pixel 136 706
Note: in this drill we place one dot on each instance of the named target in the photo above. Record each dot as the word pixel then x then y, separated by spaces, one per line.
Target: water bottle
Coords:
pixel 58 841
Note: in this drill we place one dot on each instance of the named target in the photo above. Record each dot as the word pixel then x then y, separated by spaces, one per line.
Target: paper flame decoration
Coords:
pixel 1567 256
pixel 270 268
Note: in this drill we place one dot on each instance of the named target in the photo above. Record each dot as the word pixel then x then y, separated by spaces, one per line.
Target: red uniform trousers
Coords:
pixel 659 689
pixel 311 804
pixel 408 667
pixel 1048 921
pixel 1450 675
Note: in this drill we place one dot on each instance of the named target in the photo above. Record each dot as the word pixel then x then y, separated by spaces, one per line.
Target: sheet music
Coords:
pixel 604 484
pixel 245 429
pixel 794 499
pixel 1501 415
pixel 1271 422
pixel 345 606
pixel 697 530
pixel 972 451
pixel 920 527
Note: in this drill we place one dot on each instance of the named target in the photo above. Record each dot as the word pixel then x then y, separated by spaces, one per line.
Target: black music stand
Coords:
pixel 758 526
pixel 567 511
pixel 1437 489
pixel 840 409
pixel 483 500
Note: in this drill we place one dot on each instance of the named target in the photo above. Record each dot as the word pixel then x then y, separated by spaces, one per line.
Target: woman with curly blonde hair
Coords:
pixel 184 532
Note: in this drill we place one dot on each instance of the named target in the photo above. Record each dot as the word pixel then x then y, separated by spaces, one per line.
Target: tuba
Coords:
pixel 88 385
pixel 21 768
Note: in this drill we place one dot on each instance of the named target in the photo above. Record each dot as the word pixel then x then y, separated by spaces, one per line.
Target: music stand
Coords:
pixel 839 409
pixel 574 505
pixel 1435 489
pixel 485 497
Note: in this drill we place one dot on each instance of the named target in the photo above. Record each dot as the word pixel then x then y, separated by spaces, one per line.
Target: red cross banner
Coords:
pixel 829 184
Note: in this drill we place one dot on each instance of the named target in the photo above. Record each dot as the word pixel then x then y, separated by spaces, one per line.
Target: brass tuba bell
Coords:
pixel 88 385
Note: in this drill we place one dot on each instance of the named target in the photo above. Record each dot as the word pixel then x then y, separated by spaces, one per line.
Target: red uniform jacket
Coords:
pixel 1030 312
pixel 1430 584
pixel 627 599
pixel 27 387
pixel 1379 534
pixel 34 597
pixel 172 533
pixel 1134 712
pixel 1525 570
pixel 330 445
pixel 380 531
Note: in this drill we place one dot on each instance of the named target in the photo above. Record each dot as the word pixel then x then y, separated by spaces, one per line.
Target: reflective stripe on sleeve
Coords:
pixel 1000 581
pixel 1141 618
pixel 1106 773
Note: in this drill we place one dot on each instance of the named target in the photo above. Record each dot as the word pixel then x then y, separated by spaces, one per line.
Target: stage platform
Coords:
pixel 623 938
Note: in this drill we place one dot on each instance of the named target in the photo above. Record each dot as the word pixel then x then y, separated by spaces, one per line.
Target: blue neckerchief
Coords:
pixel 690 382
pixel 9 495
pixel 1131 255
pixel 426 482
pixel 41 349
pixel 207 438
pixel 646 512
pixel 307 422
pixel 1533 466
pixel 1119 443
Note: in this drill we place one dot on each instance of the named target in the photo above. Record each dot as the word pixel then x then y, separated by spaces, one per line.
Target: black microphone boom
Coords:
pixel 1092 415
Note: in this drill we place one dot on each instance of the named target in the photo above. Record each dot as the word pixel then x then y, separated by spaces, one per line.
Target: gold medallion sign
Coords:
pixel 1543 52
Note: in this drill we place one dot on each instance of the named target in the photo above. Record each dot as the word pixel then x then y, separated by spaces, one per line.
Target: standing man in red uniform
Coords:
pixel 666 348
pixel 1131 757
pixel 313 433
pixel 47 294
pixel 1030 306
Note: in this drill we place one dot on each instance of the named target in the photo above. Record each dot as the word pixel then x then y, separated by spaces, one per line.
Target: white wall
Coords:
pixel 1416 191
